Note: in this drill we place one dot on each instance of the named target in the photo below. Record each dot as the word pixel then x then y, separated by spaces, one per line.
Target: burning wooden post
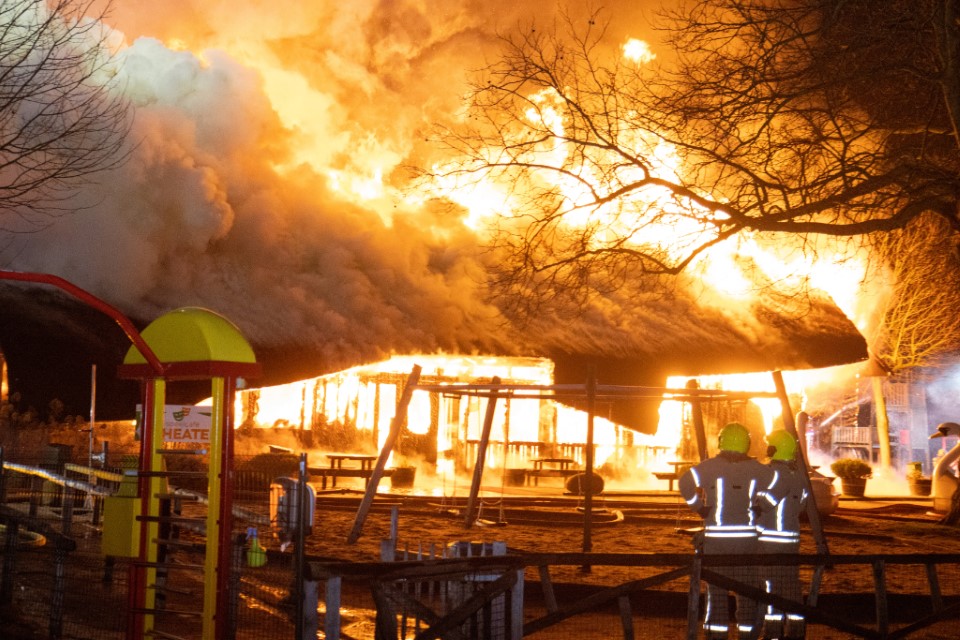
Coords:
pixel 398 419
pixel 482 454
pixel 812 513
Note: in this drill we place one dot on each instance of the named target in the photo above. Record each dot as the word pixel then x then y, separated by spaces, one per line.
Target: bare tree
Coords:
pixel 62 117
pixel 919 325
pixel 796 117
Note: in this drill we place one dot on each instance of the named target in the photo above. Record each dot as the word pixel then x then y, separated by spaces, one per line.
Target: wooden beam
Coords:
pixel 587 484
pixel 813 515
pixel 469 515
pixel 395 425
pixel 696 412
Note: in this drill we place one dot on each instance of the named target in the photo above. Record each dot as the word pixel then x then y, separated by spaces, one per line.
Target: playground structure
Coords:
pixel 191 344
pixel 185 344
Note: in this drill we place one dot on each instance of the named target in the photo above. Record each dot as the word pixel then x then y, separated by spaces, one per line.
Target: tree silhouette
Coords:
pixel 62 119
pixel 919 327
pixel 798 117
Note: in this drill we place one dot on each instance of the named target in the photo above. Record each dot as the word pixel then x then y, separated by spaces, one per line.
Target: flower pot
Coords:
pixel 853 487
pixel 403 477
pixel 919 486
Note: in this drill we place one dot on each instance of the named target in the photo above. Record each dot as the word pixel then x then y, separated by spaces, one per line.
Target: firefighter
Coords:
pixel 727 491
pixel 780 533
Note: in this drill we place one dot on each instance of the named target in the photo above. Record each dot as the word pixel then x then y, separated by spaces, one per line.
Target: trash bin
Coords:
pixel 284 511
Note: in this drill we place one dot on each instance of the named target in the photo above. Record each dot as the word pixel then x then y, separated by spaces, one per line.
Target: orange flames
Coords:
pixel 311 85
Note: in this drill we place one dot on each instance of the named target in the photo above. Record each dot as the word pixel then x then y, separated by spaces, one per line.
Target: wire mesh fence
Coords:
pixel 61 584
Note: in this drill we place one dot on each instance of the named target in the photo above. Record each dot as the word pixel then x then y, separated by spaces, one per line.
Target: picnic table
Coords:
pixel 337 459
pixel 552 468
pixel 679 468
pixel 337 470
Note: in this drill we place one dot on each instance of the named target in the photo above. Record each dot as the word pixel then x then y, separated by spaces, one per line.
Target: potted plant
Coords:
pixel 919 483
pixel 853 474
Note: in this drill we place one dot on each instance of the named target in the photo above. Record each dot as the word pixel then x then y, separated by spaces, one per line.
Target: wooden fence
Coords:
pixel 391 588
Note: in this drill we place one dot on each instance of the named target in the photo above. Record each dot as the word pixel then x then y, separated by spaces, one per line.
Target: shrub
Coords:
pixel 851 468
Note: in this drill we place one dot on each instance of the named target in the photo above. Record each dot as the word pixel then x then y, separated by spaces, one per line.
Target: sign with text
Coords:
pixel 184 423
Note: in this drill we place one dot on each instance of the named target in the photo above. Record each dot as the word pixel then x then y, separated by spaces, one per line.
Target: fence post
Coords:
pixel 36 495
pixel 880 586
pixel 311 607
pixel 236 567
pixel 331 596
pixel 300 553
pixel 59 587
pixel 516 607
pixel 66 510
pixel 9 561
pixel 693 600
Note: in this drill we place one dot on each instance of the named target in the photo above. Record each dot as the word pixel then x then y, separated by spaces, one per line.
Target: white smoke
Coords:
pixel 267 180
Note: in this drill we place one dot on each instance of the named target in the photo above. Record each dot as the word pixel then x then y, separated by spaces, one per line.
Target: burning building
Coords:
pixel 268 183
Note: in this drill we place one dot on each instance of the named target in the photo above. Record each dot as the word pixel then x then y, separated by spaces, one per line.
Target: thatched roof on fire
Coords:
pixel 680 335
pixel 50 341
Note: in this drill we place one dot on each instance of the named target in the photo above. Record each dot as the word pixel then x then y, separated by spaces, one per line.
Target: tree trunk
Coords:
pixel 883 421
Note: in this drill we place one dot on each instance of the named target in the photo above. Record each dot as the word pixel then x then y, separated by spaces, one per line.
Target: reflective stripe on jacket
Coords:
pixel 782 524
pixel 727 490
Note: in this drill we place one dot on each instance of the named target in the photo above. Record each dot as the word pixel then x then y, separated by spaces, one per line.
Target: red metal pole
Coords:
pixel 96 303
pixel 136 573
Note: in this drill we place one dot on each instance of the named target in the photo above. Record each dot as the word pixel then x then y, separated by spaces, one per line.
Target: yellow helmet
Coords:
pixel 735 437
pixel 784 445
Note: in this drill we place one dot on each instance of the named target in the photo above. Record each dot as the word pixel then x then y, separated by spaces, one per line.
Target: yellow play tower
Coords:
pixel 190 344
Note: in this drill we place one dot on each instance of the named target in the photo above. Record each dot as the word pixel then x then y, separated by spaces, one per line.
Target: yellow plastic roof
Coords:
pixel 192 334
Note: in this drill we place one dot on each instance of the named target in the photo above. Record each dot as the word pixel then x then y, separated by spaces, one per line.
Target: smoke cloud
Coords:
pixel 266 182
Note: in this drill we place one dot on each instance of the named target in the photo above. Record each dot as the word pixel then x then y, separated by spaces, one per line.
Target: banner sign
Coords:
pixel 184 423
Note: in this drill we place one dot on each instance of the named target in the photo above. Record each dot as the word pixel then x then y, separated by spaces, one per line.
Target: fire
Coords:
pixel 357 165
pixel 365 397
pixel 638 51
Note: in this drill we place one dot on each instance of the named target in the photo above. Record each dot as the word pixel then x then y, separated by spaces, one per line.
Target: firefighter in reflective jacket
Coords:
pixel 728 490
pixel 780 533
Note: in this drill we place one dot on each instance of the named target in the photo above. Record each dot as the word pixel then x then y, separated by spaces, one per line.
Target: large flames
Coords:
pixel 365 398
pixel 727 275
pixel 268 184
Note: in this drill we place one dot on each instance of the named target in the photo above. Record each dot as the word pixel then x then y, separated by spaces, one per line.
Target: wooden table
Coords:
pixel 337 459
pixel 679 468
pixel 560 468
pixel 561 463
pixel 336 468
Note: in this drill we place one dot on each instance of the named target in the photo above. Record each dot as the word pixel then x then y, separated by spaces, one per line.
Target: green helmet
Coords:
pixel 784 445
pixel 735 437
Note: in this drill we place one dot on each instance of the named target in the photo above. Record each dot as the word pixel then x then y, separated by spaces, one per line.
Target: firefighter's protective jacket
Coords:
pixel 728 491
pixel 782 523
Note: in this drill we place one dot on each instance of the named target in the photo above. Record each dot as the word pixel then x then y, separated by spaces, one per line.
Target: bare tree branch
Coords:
pixel 62 117
pixel 920 324
pixel 799 117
